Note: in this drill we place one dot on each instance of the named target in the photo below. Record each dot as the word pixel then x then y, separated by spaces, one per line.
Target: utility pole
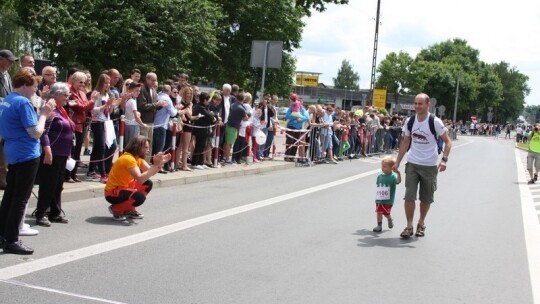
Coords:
pixel 375 43
pixel 457 95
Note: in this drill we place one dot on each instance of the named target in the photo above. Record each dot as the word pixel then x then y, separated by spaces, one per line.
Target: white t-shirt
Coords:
pixel 423 144
pixel 227 105
pixel 131 105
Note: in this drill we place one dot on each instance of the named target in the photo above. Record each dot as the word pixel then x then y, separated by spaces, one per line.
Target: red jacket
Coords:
pixel 81 109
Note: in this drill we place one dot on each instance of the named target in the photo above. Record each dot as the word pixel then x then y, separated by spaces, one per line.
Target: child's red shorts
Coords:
pixel 383 209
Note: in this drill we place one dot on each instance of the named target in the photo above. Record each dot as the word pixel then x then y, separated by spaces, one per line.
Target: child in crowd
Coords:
pixel 386 192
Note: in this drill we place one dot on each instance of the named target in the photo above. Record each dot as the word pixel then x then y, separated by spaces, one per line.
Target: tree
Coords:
pixel 436 70
pixel 318 5
pixel 124 34
pixel 208 39
pixel 396 74
pixel 346 77
pixel 515 90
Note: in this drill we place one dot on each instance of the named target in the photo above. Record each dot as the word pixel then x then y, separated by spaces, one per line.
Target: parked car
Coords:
pixel 281 111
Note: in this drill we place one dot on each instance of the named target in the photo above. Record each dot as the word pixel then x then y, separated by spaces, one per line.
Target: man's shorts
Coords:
pixel 230 135
pixel 426 176
pixel 383 209
pixel 326 142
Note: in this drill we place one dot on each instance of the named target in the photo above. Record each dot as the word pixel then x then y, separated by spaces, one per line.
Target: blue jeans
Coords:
pixel 268 144
pixel 159 140
pixel 262 148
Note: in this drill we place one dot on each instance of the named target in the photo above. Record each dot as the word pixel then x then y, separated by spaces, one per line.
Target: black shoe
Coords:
pixel 59 219
pixel 162 171
pixel 18 248
pixel 3 242
pixel 43 221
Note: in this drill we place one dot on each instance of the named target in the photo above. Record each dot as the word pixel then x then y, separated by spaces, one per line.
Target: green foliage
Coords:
pixel 151 35
pixel 208 39
pixel 436 70
pixel 318 5
pixel 347 78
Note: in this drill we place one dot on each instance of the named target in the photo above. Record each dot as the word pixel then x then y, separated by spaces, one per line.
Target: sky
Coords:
pixel 506 31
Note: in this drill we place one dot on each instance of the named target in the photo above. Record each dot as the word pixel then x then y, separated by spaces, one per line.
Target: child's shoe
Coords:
pixel 377 229
pixel 390 223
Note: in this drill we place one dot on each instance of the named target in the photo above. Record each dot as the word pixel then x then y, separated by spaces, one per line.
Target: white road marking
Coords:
pixel 71 294
pixel 77 254
pixel 531 229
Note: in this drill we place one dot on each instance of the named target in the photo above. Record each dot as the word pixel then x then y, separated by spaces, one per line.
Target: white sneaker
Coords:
pixel 27 231
pixel 205 167
pixel 199 167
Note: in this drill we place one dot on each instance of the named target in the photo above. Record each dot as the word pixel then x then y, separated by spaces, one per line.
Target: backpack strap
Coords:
pixel 410 123
pixel 431 122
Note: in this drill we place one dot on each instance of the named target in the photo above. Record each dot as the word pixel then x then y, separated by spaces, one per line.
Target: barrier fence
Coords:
pixel 347 143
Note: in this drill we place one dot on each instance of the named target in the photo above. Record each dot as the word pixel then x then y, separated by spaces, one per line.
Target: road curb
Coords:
pixel 94 189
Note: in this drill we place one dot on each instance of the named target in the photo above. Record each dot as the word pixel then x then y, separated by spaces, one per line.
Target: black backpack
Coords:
pixel 431 122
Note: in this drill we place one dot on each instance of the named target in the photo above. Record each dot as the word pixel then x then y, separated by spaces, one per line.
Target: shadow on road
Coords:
pixel 373 239
pixel 106 220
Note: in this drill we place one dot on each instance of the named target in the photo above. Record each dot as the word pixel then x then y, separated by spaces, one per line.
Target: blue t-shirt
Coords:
pixel 17 114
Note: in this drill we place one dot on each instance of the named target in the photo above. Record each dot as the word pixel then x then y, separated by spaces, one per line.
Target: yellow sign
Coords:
pixel 379 98
pixel 307 80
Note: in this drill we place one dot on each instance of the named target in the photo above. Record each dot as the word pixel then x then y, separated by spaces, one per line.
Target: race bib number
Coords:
pixel 383 193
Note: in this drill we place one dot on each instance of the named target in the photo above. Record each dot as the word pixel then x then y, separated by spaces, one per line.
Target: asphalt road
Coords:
pixel 295 236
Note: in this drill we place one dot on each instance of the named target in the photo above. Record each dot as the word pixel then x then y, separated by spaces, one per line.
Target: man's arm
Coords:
pixel 446 151
pixel 405 141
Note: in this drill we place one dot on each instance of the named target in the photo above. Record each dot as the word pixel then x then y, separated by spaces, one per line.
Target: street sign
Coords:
pixel 379 98
pixel 273 51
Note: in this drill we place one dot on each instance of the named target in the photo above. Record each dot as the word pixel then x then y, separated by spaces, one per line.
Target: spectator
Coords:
pixel 161 121
pixel 21 129
pixel 215 107
pixel 186 106
pixel 294 140
pixel 129 182
pixel 237 114
pixel 202 130
pixel 102 128
pixel 240 151
pixel 6 61
pixel 56 144
pixel 80 105
pixel 267 113
pixel 135 75
pixel 226 100
pixel 133 122
pixel 27 61
pixel 272 122
pixel 327 132
pixel 48 78
pixel 147 104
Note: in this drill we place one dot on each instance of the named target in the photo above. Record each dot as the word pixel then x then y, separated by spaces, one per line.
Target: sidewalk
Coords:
pixel 91 188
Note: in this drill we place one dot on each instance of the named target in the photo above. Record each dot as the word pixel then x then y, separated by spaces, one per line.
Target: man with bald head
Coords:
pixel 48 78
pixel 148 104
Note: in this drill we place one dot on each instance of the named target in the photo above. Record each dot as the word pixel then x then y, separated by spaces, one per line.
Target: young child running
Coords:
pixel 386 192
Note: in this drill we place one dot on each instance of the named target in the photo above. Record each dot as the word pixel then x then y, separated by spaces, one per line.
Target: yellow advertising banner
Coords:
pixel 307 80
pixel 379 98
